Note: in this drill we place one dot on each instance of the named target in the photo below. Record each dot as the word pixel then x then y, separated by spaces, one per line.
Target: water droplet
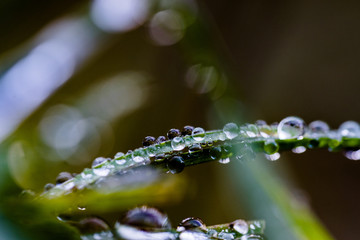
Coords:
pixel 81 208
pixel 231 130
pixel 318 129
pixel 349 129
pixel 120 161
pixel 224 160
pixel 152 150
pixel 176 164
pixel 192 235
pixel 299 149
pixel 146 217
pixel 352 155
pixel 137 157
pixel 173 133
pixel 48 186
pixel 291 127
pixel 161 139
pixel 86 174
pixel 178 143
pixel 195 148
pixel 273 157
pixel 240 226
pixel 159 157
pixel 102 172
pixel 98 161
pixel 119 155
pixel 215 153
pixel 270 146
pixel 252 237
pixel 190 223
pixel 251 130
pixel 187 130
pixel 198 134
pixel 149 140
pixel 265 131
pixel 260 123
pixel 226 236
pixel 63 177
pixel 67 186
pixel 222 136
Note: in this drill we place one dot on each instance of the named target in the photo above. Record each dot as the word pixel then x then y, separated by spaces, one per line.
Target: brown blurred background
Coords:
pixel 80 80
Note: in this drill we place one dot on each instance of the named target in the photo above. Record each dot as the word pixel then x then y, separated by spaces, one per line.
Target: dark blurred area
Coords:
pixel 82 79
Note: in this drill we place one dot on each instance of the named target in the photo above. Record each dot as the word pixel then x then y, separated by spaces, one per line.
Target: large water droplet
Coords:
pixel 291 127
pixel 102 172
pixel 198 134
pixel 299 149
pixel 349 129
pixel 120 161
pixel 240 226
pixel 231 130
pixel 178 143
pixel 273 157
pixel 176 164
pixel 270 146
pixel 318 129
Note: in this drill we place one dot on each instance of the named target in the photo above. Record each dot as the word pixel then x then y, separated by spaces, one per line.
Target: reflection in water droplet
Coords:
pixel 137 157
pixel 224 160
pixel 270 146
pixel 198 134
pixel 291 127
pixel 176 164
pixel 318 129
pixel 265 131
pixel 81 208
pixel 241 226
pixel 190 223
pixel 299 149
pixel 231 130
pixel 273 157
pixel 151 150
pixel 102 172
pixel 349 129
pixel 178 143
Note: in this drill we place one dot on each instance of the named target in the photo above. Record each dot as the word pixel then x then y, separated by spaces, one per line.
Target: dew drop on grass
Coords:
pixel 198 134
pixel 270 146
pixel 176 164
pixel 272 157
pixel 251 130
pixel 177 143
pixel 195 148
pixel 119 155
pixel 299 149
pixel 231 130
pixel 136 157
pixel 224 160
pixel 290 128
pixel 102 172
pixel 349 129
pixel 215 153
pixel 98 161
pixel 318 129
pixel 240 226
pixel 352 155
